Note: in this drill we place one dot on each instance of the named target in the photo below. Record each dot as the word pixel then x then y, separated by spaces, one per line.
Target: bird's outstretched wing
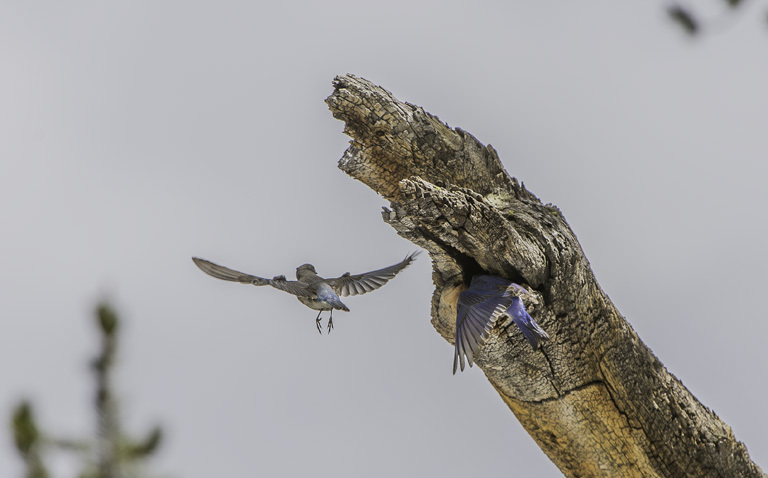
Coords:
pixel 361 283
pixel 480 306
pixel 279 282
pixel 476 313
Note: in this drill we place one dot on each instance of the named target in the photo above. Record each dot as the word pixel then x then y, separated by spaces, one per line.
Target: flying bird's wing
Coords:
pixel 279 282
pixel 477 310
pixel 224 273
pixel 361 283
pixel 480 306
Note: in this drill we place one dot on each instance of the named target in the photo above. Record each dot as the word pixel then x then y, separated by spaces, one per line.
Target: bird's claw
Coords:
pixel 317 323
pixel 330 325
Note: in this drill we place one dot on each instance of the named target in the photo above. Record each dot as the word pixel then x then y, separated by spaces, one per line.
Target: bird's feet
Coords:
pixel 330 325
pixel 317 323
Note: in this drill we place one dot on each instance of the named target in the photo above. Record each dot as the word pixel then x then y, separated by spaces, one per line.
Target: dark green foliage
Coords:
pixel 683 18
pixel 693 24
pixel 107 319
pixel 28 440
pixel 24 428
pixel 148 446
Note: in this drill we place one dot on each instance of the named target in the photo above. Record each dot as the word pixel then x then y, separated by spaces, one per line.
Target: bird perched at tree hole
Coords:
pixel 486 300
pixel 312 290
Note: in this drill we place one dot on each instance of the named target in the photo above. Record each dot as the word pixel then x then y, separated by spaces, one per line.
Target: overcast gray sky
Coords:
pixel 137 134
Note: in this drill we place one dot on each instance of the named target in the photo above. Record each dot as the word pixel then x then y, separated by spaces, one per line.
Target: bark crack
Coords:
pixel 565 393
pixel 553 379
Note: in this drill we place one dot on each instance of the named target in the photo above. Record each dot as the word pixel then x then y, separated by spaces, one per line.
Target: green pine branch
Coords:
pixel 111 453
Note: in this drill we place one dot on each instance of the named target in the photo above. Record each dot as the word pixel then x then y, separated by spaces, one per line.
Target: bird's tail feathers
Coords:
pixel 530 329
pixel 338 305
pixel 331 299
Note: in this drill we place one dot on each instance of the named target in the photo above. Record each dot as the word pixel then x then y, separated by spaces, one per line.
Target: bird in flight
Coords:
pixel 312 290
pixel 486 300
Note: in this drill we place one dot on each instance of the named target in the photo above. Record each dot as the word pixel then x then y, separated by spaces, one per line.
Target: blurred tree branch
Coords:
pixel 111 454
pixel 595 398
pixel 28 440
pixel 693 23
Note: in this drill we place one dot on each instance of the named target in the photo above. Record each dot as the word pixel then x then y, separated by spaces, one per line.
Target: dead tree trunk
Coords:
pixel 595 398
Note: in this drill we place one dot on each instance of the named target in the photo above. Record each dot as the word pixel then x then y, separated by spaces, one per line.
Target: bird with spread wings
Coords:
pixel 314 291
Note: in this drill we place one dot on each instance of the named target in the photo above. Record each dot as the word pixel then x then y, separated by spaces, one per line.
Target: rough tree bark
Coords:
pixel 595 398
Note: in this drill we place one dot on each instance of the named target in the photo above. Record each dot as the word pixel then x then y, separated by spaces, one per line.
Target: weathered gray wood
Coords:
pixel 595 399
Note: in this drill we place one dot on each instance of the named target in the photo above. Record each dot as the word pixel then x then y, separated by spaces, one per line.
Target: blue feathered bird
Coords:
pixel 486 300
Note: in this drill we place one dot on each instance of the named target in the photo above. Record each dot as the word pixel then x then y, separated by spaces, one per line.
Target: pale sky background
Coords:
pixel 138 134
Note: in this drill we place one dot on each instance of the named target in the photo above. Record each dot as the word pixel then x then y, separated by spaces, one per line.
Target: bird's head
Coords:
pixel 304 269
